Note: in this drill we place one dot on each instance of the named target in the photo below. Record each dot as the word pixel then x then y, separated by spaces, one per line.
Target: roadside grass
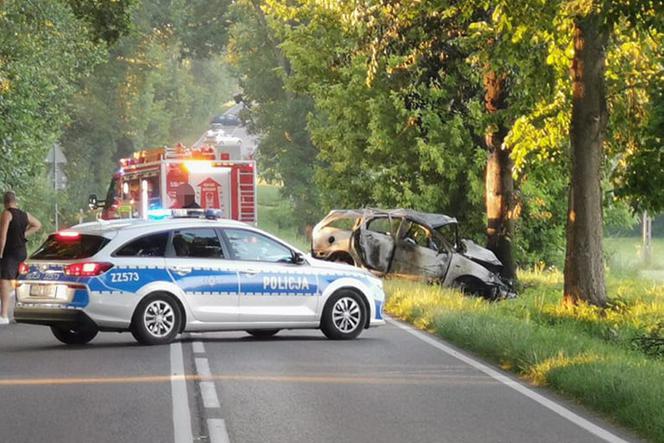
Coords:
pixel 275 216
pixel 582 352
pixel 624 253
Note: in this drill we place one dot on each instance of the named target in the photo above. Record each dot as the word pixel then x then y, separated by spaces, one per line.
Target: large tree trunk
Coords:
pixel 499 182
pixel 584 267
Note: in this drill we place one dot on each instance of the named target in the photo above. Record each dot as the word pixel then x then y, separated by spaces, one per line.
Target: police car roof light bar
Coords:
pixel 209 214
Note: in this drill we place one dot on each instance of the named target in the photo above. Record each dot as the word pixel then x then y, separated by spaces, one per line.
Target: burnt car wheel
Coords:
pixel 157 320
pixel 76 335
pixel 344 316
pixel 473 286
pixel 262 333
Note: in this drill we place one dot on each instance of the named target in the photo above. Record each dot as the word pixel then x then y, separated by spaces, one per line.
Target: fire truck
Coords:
pixel 155 181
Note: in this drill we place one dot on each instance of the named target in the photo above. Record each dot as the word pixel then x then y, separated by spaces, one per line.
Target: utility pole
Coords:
pixel 646 237
pixel 56 160
pixel 55 189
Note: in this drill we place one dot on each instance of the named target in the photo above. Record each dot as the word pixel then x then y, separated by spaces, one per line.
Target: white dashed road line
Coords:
pixel 198 347
pixel 217 430
pixel 549 404
pixel 181 412
pixel 203 367
pixel 209 394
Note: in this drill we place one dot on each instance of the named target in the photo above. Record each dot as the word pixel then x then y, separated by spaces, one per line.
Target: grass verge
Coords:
pixel 584 353
pixel 275 215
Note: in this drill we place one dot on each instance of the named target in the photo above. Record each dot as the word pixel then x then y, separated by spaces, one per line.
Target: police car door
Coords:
pixel 273 289
pixel 197 262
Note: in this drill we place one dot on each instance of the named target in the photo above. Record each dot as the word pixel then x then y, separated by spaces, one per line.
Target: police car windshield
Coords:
pixel 82 246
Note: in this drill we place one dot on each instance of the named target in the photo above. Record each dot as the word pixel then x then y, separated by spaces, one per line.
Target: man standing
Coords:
pixel 15 227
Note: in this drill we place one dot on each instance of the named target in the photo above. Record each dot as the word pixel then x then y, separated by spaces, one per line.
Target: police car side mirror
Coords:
pixel 298 258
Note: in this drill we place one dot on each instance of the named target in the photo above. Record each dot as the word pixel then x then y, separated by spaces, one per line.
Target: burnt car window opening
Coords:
pixel 153 245
pixel 384 225
pixel 418 234
pixel 197 243
pixel 449 234
pixel 251 246
pixel 82 246
pixel 345 224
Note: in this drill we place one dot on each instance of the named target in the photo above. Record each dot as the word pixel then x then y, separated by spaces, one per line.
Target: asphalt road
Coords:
pixel 387 386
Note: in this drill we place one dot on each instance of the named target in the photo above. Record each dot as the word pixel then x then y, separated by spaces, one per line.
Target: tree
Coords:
pixel 151 90
pixel 279 114
pixel 107 20
pixel 44 52
pixel 584 266
pixel 593 24
pixel 418 56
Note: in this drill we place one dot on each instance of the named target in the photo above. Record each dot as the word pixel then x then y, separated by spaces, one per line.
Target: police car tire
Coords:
pixel 262 333
pixel 140 330
pixel 327 324
pixel 78 335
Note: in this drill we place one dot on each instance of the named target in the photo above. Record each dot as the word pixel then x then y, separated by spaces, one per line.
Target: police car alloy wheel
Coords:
pixel 77 335
pixel 262 333
pixel 157 320
pixel 344 316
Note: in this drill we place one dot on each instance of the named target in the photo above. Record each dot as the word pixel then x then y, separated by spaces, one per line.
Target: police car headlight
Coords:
pixel 377 282
pixel 377 288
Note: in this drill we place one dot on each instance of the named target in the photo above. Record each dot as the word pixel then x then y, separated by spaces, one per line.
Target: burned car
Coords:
pixel 412 245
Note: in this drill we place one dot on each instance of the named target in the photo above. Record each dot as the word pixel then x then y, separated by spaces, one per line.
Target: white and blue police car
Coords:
pixel 157 279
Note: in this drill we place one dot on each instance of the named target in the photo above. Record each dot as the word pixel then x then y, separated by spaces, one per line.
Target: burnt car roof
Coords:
pixel 425 218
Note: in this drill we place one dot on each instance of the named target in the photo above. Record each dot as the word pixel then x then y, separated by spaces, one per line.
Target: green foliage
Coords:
pixel 275 215
pixel 107 20
pixel 44 53
pixel 393 100
pixel 585 353
pixel 147 93
pixel 642 180
pixel 285 154
pixel 542 200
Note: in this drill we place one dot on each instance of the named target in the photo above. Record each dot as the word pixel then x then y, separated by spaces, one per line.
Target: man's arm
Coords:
pixel 34 225
pixel 5 219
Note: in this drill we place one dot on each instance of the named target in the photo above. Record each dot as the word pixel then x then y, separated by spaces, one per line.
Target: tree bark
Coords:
pixel 499 183
pixel 584 266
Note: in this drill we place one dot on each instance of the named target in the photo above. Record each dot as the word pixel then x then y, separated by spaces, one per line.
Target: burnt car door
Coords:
pixel 419 254
pixel 375 242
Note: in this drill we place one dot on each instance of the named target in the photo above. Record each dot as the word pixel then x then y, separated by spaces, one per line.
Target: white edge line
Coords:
pixel 181 413
pixel 209 394
pixel 553 406
pixel 217 430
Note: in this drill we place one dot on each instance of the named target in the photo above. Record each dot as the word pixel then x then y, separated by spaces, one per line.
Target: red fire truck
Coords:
pixel 181 177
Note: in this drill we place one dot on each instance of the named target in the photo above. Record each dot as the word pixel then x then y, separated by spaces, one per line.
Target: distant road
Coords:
pixel 390 385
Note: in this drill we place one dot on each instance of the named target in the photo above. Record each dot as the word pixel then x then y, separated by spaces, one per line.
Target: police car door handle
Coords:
pixel 250 271
pixel 181 270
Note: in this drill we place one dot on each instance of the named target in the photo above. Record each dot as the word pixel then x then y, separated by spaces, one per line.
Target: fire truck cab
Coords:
pixel 180 177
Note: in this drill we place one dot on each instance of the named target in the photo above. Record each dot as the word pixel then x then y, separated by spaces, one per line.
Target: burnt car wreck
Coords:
pixel 411 245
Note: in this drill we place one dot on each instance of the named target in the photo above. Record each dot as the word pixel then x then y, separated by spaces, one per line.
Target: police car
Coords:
pixel 160 278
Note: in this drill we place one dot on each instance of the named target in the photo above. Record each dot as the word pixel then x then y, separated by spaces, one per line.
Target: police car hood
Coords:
pixel 338 267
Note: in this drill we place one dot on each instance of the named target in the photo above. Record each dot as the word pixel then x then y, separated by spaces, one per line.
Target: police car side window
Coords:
pixel 153 245
pixel 252 246
pixel 197 243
